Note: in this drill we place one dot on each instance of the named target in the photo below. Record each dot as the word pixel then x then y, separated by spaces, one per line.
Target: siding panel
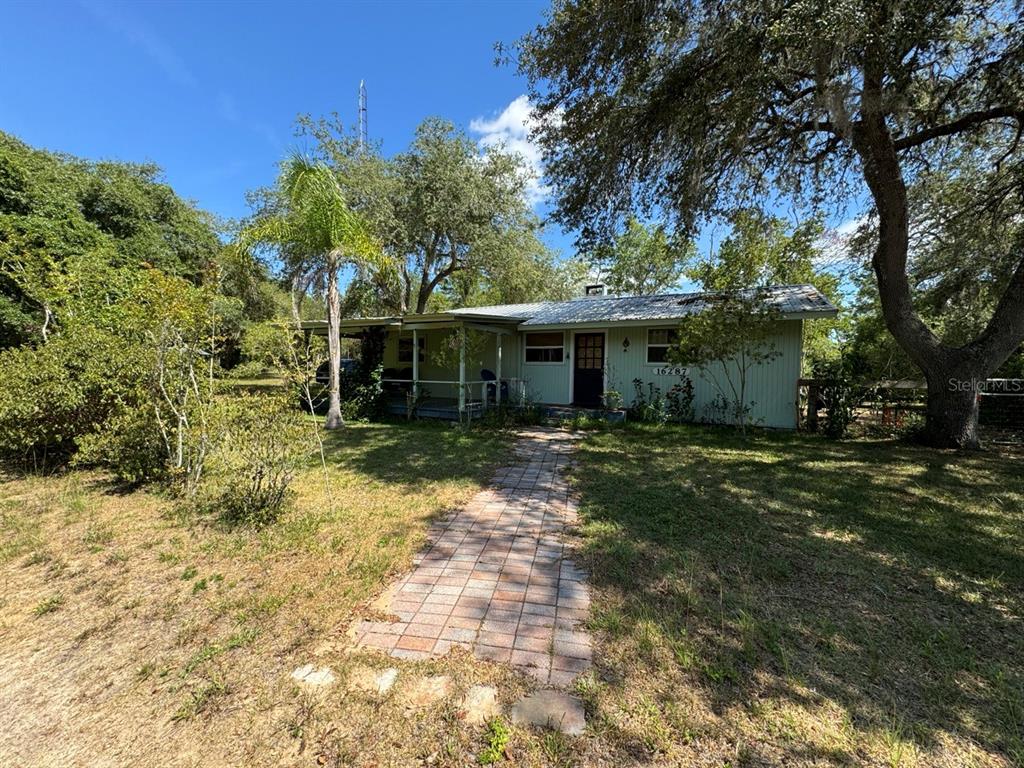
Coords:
pixel 771 386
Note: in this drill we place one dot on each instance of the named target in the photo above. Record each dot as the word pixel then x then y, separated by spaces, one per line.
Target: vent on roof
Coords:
pixel 595 289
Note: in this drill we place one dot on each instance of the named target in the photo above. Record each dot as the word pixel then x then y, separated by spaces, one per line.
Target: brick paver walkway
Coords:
pixel 495 578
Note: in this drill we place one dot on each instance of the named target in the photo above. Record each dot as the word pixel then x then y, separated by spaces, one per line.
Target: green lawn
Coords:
pixel 787 599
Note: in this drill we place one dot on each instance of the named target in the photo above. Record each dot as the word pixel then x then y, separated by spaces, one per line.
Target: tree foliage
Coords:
pixel 687 109
pixel 763 250
pixel 56 210
pixel 642 260
pixel 453 218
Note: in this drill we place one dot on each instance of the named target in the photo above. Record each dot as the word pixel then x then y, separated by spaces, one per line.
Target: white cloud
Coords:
pixel 510 131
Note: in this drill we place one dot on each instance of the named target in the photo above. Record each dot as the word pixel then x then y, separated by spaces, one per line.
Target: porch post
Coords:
pixel 497 390
pixel 462 369
pixel 415 364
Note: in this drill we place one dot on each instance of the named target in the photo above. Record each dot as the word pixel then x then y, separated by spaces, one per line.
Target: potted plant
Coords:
pixel 613 409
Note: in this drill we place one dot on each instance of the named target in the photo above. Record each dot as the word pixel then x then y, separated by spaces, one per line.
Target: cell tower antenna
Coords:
pixel 362 114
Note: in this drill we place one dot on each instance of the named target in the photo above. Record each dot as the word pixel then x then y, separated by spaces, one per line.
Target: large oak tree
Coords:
pixel 687 107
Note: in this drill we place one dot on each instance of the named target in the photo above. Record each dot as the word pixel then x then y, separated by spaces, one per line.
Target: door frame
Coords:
pixel 572 362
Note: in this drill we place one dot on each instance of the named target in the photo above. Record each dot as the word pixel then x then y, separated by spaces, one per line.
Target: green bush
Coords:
pixel 57 395
pixel 129 444
pixel 364 401
pixel 839 396
pixel 648 407
pixel 261 442
pixel 265 345
pixel 679 400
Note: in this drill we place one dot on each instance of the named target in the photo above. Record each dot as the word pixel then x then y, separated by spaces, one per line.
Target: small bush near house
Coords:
pixel 648 406
pixel 679 399
pixel 261 444
pixel 612 400
pixel 364 401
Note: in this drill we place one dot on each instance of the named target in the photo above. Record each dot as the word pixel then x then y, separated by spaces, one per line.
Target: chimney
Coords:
pixel 595 289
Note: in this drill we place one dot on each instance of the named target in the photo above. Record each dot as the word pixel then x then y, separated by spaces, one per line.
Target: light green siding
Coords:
pixel 546 382
pixel 771 386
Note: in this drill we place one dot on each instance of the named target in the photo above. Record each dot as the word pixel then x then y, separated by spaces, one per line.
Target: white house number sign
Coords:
pixel 670 371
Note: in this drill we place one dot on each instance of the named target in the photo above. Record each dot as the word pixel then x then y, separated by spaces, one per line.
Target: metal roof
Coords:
pixel 789 300
pixel 792 301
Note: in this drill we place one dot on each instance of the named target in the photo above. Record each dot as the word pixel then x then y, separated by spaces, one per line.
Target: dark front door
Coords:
pixel 588 376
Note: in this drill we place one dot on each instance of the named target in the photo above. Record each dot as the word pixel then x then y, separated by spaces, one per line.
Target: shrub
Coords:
pixel 265 345
pixel 839 397
pixel 680 400
pixel 55 395
pixel 261 443
pixel 648 407
pixel 364 401
pixel 129 444
pixel 612 400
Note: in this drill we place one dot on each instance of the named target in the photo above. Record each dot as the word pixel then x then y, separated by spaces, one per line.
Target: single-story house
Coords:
pixel 569 353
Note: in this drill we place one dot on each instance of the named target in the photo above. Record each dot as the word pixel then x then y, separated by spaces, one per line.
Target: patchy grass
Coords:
pixel 788 600
pixel 779 601
pixel 125 621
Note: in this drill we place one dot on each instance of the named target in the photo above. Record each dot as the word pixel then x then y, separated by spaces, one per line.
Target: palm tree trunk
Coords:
pixel 334 419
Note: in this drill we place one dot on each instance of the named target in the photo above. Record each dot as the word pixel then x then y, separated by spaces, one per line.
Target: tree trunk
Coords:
pixel 298 292
pixel 334 419
pixel 952 412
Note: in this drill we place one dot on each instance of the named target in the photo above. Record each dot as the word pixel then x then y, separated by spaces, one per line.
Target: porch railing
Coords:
pixel 516 389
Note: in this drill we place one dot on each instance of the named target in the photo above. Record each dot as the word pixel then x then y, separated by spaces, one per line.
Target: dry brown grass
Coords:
pixel 131 635
pixel 779 601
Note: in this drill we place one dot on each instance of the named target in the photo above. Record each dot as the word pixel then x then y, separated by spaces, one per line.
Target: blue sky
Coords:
pixel 210 91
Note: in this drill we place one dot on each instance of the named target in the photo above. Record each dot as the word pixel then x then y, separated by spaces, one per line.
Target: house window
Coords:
pixel 545 347
pixel 405 349
pixel 659 340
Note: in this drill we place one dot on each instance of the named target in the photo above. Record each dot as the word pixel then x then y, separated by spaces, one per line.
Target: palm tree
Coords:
pixel 315 230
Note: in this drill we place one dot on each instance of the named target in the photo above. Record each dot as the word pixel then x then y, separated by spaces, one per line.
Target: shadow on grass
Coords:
pixel 410 453
pixel 887 579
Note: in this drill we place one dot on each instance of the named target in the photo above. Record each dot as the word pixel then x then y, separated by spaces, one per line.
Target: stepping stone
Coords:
pixel 372 681
pixel 427 691
pixel 480 704
pixel 551 709
pixel 310 675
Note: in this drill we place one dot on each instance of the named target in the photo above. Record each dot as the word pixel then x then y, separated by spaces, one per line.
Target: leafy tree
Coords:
pixel 729 337
pixel 525 276
pixel 457 211
pixel 453 220
pixel 315 227
pixel 693 106
pixel 953 211
pixel 642 260
pixel 56 210
pixel 764 250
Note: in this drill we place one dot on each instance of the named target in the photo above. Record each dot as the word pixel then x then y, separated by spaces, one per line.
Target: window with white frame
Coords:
pixel 546 347
pixel 659 340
